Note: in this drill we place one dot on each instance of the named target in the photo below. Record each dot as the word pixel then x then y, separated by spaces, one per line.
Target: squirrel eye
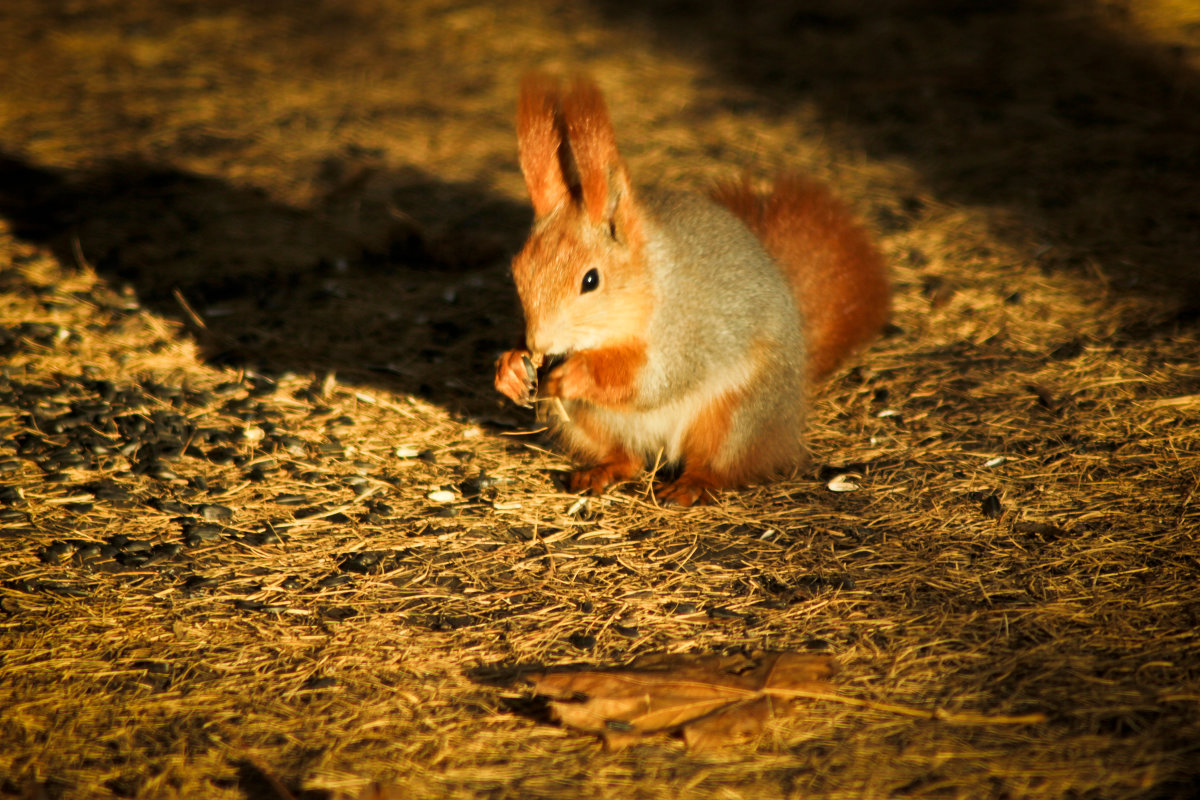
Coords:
pixel 591 281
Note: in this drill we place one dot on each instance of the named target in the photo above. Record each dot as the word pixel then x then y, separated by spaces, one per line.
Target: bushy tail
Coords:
pixel 837 275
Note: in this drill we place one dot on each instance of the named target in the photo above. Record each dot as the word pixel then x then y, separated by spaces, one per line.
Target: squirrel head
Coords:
pixel 581 275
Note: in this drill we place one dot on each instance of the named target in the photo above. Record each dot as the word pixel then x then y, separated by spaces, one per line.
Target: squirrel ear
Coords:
pixel 603 180
pixel 540 142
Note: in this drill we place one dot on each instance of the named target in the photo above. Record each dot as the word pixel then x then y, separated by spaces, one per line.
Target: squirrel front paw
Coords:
pixel 516 376
pixel 570 380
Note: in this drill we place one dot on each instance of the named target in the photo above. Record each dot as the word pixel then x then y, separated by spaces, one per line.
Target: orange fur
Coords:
pixel 606 376
pixel 701 449
pixel 594 443
pixel 539 134
pixel 618 466
pixel 594 147
pixel 697 486
pixel 591 441
pixel 706 446
pixel 554 255
pixel 711 428
pixel 837 275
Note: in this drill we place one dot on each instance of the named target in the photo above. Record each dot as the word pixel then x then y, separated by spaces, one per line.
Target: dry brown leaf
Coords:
pixel 381 791
pixel 711 700
pixel 739 722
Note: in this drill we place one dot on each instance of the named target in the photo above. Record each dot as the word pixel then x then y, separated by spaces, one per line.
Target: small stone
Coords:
pixel 57 552
pixel 222 455
pixel 719 612
pixel 167 549
pixel 681 609
pixel 363 562
pixel 169 506
pixel 87 552
pixel 584 641
pixel 133 560
pixel 194 582
pixel 266 536
pixel 215 512
pixel 992 507
pixel 162 472
pixel 291 444
pixel 381 508
pixel 309 511
pixel 338 613
pixel 196 534
pixel 249 605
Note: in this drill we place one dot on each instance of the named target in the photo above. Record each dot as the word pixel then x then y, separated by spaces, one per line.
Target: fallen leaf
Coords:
pixel 739 722
pixel 382 791
pixel 712 701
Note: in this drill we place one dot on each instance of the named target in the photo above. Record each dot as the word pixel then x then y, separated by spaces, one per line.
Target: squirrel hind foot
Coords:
pixel 687 490
pixel 594 480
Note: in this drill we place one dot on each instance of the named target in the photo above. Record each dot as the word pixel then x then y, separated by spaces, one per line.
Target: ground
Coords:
pixel 253 276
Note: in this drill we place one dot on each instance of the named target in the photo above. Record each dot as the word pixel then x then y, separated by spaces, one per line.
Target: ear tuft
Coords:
pixel 602 175
pixel 540 141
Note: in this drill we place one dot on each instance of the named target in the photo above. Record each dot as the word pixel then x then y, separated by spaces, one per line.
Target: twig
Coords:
pixel 187 309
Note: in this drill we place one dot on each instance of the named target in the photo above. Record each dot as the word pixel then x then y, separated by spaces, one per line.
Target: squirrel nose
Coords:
pixel 539 347
pixel 547 335
pixel 536 339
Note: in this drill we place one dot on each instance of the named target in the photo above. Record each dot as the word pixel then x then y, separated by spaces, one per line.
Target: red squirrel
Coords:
pixel 687 330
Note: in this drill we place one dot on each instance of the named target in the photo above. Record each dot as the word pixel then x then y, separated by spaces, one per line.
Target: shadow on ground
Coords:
pixel 1035 108
pixel 1027 108
pixel 394 293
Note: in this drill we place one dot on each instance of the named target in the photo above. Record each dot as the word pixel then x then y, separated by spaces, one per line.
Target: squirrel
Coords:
pixel 676 328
